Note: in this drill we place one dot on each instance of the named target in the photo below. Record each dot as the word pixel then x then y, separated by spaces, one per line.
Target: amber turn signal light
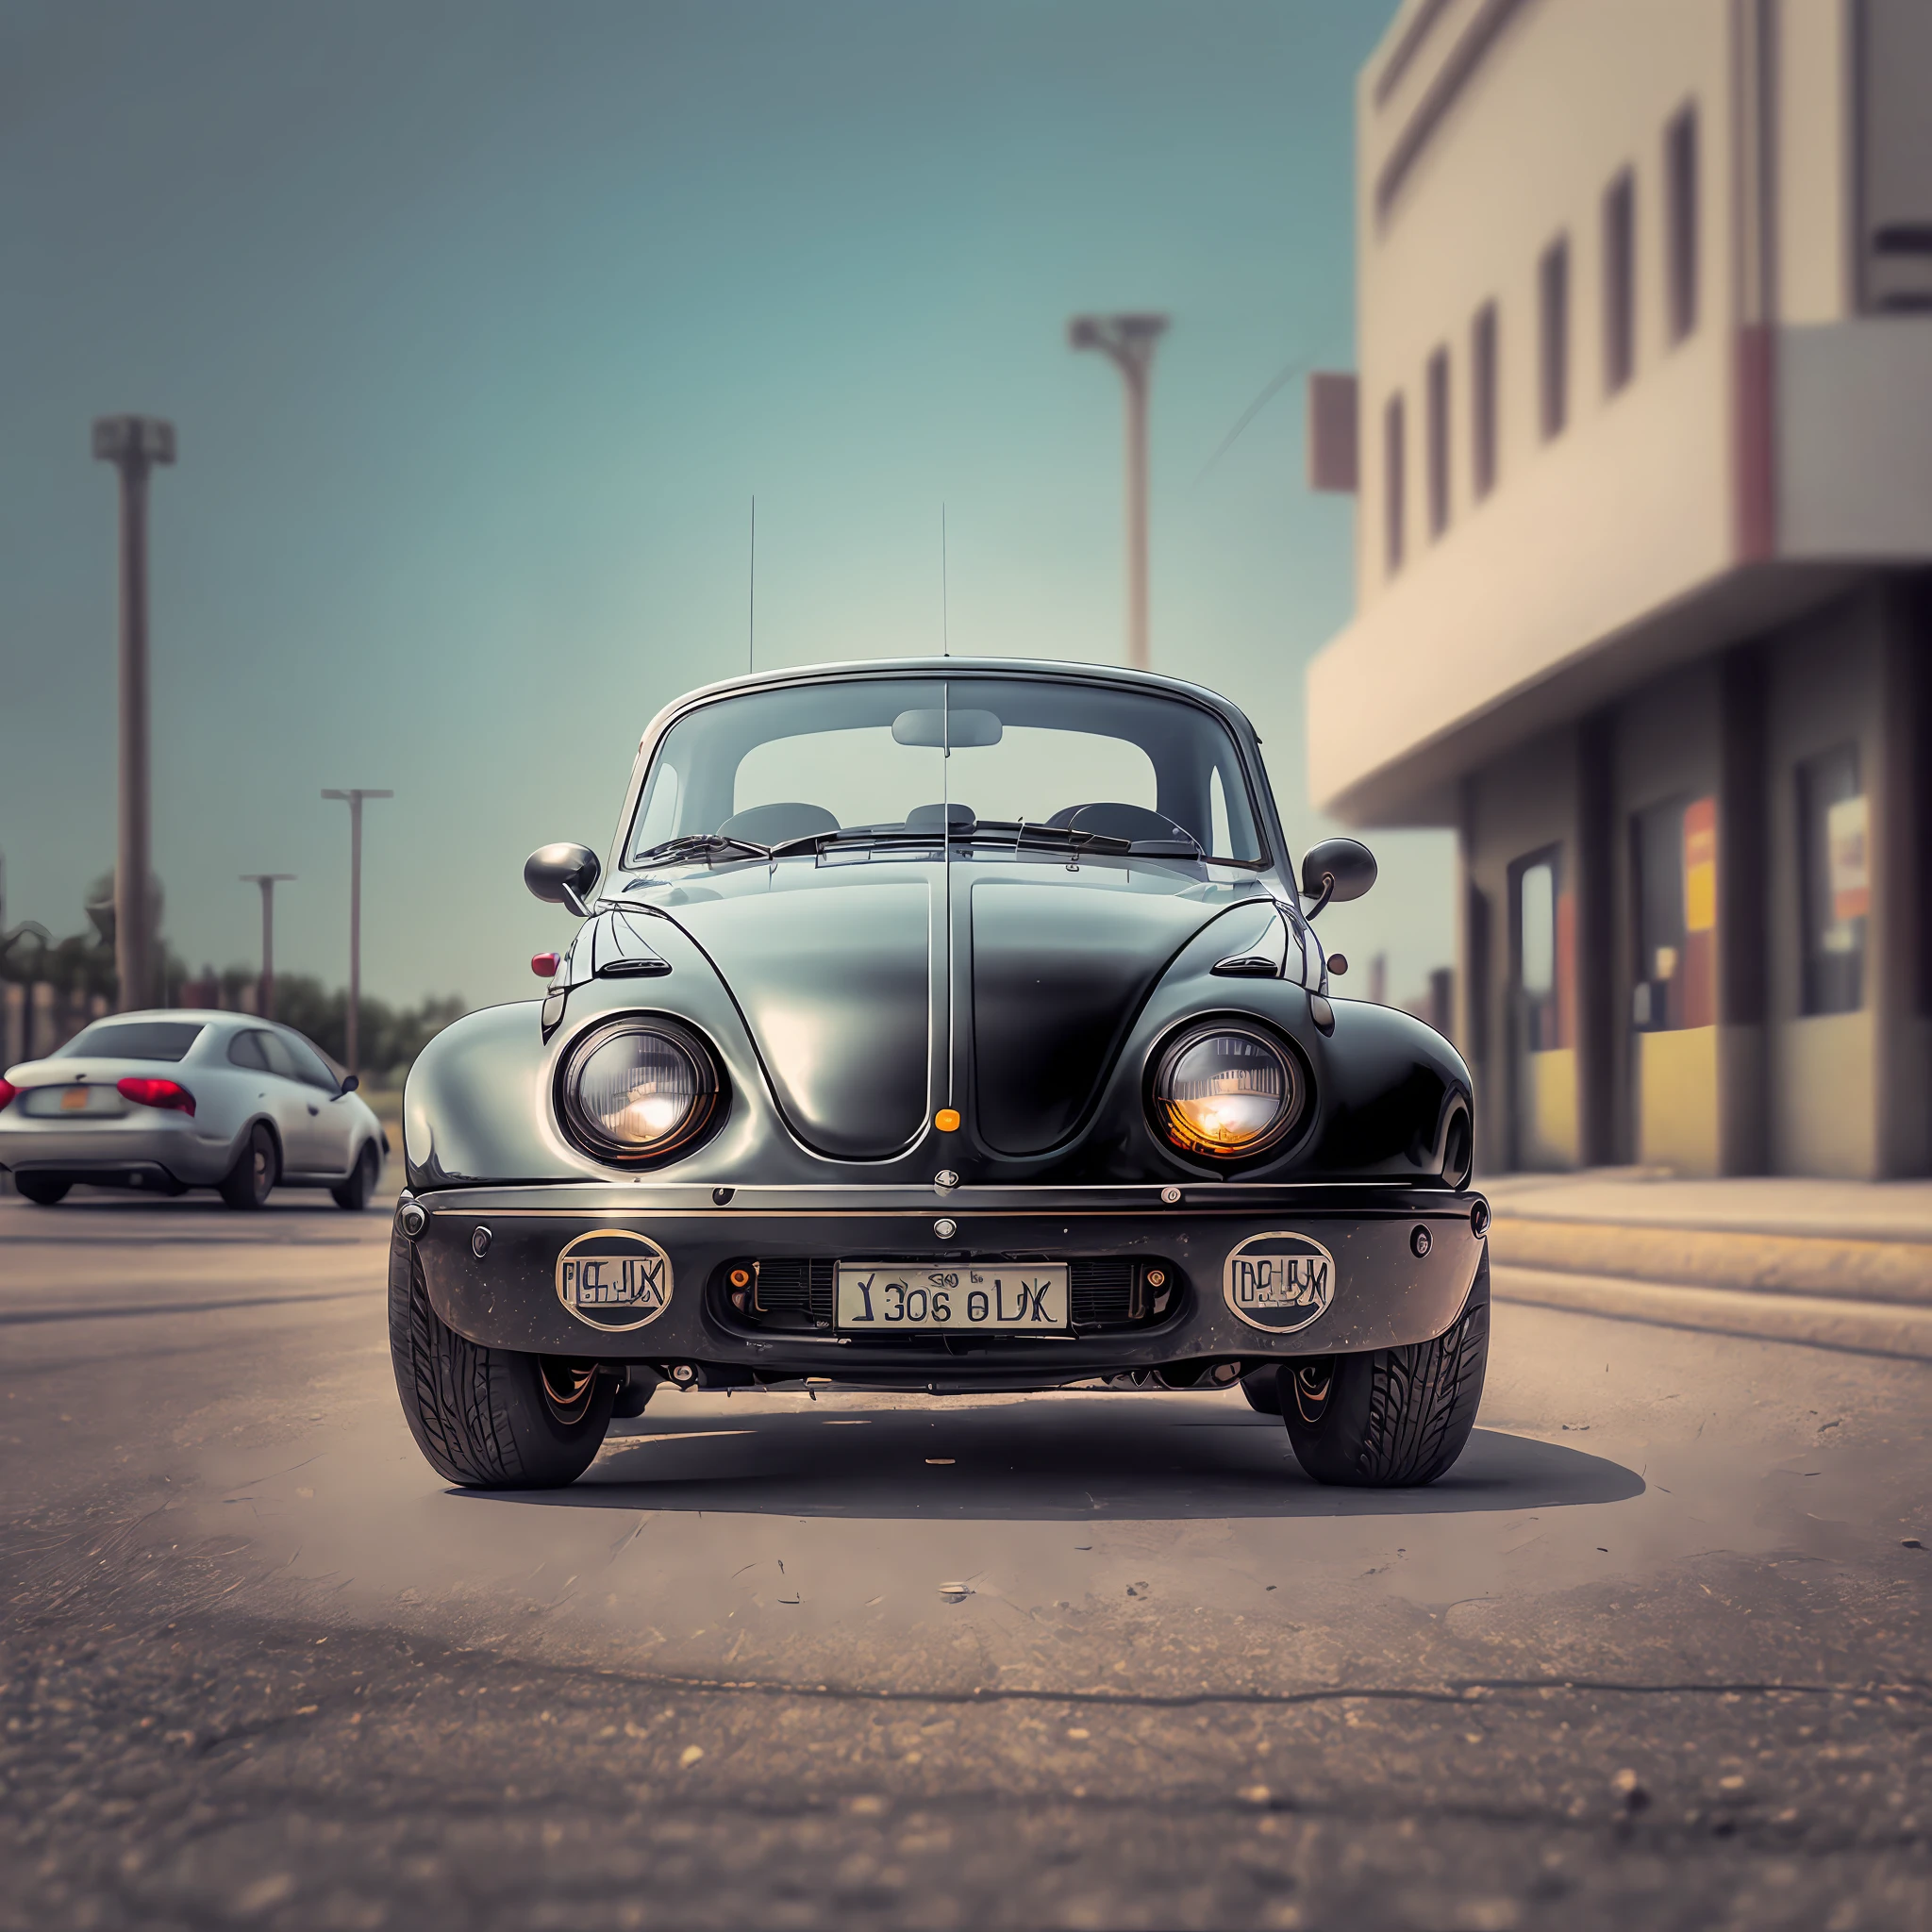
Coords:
pixel 947 1120
pixel 543 964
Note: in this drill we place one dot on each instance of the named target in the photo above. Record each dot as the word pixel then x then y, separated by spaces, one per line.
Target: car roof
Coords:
pixel 1070 670
pixel 201 1015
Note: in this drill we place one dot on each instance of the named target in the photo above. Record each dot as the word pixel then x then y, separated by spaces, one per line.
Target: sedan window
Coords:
pixel 244 1050
pixel 133 1040
pixel 310 1068
pixel 280 1061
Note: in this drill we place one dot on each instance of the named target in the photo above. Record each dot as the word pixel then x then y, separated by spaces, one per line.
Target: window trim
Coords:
pixel 1620 281
pixel 1394 482
pixel 1484 441
pixel 1553 329
pixel 1681 237
pixel 1437 431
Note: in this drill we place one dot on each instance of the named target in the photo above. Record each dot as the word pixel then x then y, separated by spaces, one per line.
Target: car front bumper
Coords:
pixel 1404 1261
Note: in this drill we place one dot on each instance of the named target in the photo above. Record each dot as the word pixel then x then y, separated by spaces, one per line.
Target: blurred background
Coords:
pixel 1539 448
pixel 481 326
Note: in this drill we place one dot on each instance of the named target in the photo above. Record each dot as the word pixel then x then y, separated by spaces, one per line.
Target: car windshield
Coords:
pixel 132 1039
pixel 888 757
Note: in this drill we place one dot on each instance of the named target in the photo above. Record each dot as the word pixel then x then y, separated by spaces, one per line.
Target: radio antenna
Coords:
pixel 751 624
pixel 945 634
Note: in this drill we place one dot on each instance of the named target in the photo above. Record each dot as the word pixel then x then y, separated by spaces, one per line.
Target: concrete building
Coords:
pixel 1643 435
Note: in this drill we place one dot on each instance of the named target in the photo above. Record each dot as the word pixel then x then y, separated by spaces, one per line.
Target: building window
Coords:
pixel 1552 292
pixel 1620 282
pixel 1674 849
pixel 1545 951
pixel 1439 443
pixel 1394 449
pixel 1680 216
pixel 1835 857
pixel 1482 399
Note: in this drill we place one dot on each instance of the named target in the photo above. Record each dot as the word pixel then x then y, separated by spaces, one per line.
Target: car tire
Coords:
pixel 1391 1418
pixel 1263 1391
pixel 42 1194
pixel 488 1418
pixel 249 1182
pixel 354 1192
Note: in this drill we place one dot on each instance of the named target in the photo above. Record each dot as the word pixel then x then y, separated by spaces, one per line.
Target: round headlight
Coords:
pixel 638 1090
pixel 1225 1091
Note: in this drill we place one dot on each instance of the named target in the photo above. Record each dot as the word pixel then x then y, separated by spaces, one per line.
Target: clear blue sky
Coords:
pixel 481 323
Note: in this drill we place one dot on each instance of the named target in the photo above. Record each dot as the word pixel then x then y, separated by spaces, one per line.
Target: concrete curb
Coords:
pixel 1898 1272
pixel 1835 1322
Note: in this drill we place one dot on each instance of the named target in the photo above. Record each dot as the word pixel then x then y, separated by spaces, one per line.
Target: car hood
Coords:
pixel 877 992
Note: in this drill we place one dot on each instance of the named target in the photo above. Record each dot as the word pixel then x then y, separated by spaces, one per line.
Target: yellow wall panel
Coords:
pixel 1676 1100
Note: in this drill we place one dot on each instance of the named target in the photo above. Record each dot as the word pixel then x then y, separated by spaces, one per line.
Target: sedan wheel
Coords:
pixel 41 1192
pixel 249 1181
pixel 354 1192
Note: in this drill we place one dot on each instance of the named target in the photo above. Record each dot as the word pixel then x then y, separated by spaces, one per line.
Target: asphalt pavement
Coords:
pixel 1654 1654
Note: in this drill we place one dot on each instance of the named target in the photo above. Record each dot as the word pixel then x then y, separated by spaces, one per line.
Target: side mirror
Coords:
pixel 563 876
pixel 1337 869
pixel 350 1083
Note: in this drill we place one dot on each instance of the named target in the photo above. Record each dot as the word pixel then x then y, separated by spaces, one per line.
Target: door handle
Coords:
pixel 313 1109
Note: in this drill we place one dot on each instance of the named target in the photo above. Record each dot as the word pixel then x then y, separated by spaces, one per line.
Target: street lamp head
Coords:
pixel 134 439
pixel 1130 333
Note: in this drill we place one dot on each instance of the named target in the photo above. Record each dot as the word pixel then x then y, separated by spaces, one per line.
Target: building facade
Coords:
pixel 1642 438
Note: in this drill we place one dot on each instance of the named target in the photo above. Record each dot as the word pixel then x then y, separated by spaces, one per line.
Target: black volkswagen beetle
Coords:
pixel 945 1025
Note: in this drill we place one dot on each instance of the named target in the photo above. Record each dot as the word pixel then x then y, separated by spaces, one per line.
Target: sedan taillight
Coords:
pixel 7 1089
pixel 145 1092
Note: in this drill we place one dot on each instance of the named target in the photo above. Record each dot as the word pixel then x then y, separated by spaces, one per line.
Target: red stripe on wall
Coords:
pixel 1755 454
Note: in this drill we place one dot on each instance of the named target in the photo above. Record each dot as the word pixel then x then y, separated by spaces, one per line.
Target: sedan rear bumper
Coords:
pixel 1385 1265
pixel 107 1151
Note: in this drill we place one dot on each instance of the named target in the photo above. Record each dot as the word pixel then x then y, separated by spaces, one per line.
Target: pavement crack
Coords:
pixel 1454 1693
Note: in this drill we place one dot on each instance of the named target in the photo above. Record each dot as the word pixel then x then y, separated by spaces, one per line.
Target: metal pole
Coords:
pixel 353 798
pixel 133 445
pixel 131 941
pixel 1128 342
pixel 1135 375
pixel 265 997
pixel 354 1043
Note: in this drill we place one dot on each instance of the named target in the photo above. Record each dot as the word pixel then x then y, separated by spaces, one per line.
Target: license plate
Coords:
pixel 878 1297
pixel 50 1103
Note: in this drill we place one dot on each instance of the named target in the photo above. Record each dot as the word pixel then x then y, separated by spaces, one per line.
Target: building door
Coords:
pixel 1673 1004
pixel 1543 1014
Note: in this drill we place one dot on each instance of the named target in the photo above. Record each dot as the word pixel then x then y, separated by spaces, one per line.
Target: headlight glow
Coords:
pixel 1226 1091
pixel 638 1089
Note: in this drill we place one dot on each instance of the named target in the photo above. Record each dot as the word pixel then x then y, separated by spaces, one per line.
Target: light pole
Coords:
pixel 265 1000
pixel 1128 342
pixel 354 799
pixel 133 445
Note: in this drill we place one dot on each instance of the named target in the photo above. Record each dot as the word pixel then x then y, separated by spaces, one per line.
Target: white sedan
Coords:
pixel 169 1100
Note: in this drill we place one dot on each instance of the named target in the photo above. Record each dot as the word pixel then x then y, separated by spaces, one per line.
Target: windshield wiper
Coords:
pixel 1061 838
pixel 857 835
pixel 703 845
pixel 1006 832
pixel 1057 838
